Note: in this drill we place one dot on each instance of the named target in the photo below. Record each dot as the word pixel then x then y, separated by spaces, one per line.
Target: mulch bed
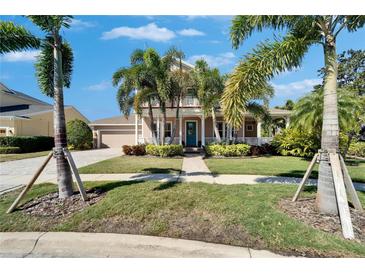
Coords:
pixel 305 211
pixel 51 206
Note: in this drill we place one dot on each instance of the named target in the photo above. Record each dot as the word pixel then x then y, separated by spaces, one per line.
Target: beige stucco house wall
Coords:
pixel 23 115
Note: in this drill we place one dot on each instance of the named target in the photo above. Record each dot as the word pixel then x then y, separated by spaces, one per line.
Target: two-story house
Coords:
pixel 193 128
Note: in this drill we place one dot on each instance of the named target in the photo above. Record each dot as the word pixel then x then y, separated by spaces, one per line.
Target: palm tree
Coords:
pixel 271 58
pixel 210 86
pixel 54 69
pixel 308 112
pixel 161 67
pixel 16 38
pixel 133 78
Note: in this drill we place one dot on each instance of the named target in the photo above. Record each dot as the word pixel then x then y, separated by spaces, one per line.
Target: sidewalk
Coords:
pixel 104 245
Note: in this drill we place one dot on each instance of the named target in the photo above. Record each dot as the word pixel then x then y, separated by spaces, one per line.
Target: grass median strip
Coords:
pixel 20 156
pixel 241 215
pixel 134 164
pixel 277 166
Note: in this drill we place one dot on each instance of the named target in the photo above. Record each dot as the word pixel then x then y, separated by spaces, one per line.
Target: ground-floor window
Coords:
pixel 168 129
pixel 220 129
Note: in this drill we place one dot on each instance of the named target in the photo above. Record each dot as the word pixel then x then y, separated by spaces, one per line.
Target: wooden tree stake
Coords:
pixel 76 173
pixel 350 186
pixel 305 178
pixel 343 207
pixel 30 184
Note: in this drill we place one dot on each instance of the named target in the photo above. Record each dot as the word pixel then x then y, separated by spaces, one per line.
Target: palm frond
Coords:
pixel 51 23
pixel 16 38
pixel 249 79
pixel 45 66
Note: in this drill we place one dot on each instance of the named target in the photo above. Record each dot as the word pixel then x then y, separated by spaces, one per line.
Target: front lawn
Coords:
pixel 241 215
pixel 134 164
pixel 20 156
pixel 277 166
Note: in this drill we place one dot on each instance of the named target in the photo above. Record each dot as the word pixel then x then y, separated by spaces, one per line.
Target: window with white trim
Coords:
pixel 220 129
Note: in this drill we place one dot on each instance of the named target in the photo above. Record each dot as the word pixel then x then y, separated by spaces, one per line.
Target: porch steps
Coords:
pixel 193 150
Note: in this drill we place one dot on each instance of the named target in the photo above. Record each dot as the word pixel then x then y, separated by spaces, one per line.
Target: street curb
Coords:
pixel 103 245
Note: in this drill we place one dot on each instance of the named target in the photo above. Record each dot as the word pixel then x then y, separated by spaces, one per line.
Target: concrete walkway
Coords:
pixel 102 245
pixel 17 173
pixel 194 169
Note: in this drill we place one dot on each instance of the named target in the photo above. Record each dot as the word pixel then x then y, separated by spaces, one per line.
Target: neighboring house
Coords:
pixel 21 114
pixel 193 128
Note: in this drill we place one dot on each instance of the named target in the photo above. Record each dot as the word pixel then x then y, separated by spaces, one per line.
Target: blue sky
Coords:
pixel 102 44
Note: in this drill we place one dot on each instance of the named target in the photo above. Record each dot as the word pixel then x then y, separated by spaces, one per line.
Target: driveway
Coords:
pixel 16 173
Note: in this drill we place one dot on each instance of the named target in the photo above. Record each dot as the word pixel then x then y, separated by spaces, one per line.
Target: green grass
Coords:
pixel 134 164
pixel 20 156
pixel 277 166
pixel 241 215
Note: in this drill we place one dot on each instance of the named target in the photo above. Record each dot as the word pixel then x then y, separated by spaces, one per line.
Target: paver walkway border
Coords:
pixel 101 245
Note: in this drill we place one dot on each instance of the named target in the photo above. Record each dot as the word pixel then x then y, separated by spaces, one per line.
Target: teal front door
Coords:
pixel 191 134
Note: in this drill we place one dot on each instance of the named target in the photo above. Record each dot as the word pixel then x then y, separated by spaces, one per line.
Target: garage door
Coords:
pixel 116 139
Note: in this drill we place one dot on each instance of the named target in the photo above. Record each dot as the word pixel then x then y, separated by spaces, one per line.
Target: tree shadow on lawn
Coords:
pixel 154 170
pixel 298 174
pixel 108 186
pixel 166 185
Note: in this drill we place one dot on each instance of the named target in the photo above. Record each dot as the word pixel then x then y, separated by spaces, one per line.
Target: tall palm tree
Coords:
pixel 16 38
pixel 181 82
pixel 136 77
pixel 54 69
pixel 271 58
pixel 210 85
pixel 161 67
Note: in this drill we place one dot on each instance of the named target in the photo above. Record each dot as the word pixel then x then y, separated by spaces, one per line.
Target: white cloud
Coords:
pixel 190 32
pixel 148 32
pixel 103 85
pixel 77 24
pixel 20 56
pixel 296 89
pixel 222 59
pixel 193 17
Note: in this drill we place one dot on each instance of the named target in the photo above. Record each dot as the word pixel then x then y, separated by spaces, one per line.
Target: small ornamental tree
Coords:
pixel 79 135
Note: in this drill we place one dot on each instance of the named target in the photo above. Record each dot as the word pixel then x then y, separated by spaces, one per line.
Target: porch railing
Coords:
pixel 253 141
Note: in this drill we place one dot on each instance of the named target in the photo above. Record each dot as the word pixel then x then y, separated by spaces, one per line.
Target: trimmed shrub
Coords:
pixel 165 150
pixel 79 134
pixel 9 150
pixel 28 143
pixel 127 150
pixel 357 149
pixel 138 150
pixel 227 150
pixel 293 142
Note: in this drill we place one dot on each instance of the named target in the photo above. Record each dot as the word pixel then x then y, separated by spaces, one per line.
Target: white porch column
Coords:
pixel 158 130
pixel 287 122
pixel 243 129
pixel 180 130
pixel 258 128
pixel 142 129
pixel 203 129
pixel 136 128
pixel 98 138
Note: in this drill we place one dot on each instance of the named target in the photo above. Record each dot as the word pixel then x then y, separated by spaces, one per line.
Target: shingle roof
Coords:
pixel 115 120
pixel 22 95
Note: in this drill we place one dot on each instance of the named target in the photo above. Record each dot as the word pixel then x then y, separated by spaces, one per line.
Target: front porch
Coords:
pixel 193 129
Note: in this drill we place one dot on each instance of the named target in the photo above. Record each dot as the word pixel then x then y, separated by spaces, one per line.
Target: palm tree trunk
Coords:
pixel 326 198
pixel 176 121
pixel 163 126
pixel 215 127
pixel 150 114
pixel 64 177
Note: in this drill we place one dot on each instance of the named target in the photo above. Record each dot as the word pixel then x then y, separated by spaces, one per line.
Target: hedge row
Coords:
pixel 9 150
pixel 233 150
pixel 165 150
pixel 28 143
